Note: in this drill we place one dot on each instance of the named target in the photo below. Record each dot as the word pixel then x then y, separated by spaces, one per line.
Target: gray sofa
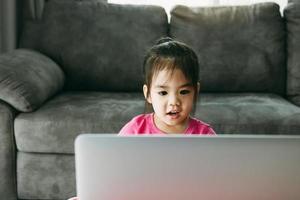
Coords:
pixel 78 69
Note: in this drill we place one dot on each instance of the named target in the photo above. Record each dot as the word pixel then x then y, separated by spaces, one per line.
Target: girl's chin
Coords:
pixel 171 120
pixel 174 120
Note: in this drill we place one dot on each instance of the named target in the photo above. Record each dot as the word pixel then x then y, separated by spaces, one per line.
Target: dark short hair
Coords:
pixel 169 54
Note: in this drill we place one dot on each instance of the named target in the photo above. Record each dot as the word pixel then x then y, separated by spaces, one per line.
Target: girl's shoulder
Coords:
pixel 142 118
pixel 197 126
pixel 137 125
pixel 198 122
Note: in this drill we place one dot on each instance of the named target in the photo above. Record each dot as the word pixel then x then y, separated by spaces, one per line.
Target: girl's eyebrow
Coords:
pixel 164 86
pixel 186 85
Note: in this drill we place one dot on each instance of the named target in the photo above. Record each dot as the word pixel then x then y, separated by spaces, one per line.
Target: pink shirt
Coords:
pixel 144 124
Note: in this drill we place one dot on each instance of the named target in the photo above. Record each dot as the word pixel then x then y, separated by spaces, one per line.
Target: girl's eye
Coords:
pixel 162 93
pixel 184 92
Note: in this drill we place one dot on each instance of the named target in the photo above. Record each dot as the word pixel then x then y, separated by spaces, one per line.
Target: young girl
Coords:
pixel 171 89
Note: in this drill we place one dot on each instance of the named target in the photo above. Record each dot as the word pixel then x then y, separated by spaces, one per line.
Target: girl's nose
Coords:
pixel 174 101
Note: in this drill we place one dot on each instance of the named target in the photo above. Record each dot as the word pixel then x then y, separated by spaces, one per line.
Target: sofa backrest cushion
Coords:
pixel 292 16
pixel 99 46
pixel 240 48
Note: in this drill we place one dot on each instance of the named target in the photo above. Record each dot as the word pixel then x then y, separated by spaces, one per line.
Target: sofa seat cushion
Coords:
pixel 55 125
pixel 249 113
pixel 53 128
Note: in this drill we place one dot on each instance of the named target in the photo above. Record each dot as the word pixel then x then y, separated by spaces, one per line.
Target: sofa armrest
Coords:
pixel 28 78
pixel 7 152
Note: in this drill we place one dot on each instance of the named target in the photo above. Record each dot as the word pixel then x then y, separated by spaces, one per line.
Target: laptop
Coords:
pixel 173 167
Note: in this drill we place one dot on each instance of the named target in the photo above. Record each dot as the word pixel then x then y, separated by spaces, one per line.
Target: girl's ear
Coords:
pixel 145 90
pixel 198 87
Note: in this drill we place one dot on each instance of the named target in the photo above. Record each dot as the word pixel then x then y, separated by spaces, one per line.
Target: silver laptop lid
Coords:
pixel 110 167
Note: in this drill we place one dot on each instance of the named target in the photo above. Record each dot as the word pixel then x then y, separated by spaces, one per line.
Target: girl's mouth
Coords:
pixel 173 114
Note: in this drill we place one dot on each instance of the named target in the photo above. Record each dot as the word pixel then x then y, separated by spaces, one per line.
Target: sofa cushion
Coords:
pixel 240 48
pixel 249 113
pixel 53 128
pixel 28 79
pixel 99 46
pixel 45 176
pixel 292 16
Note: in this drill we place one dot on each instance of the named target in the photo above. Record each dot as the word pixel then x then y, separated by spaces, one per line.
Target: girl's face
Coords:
pixel 172 97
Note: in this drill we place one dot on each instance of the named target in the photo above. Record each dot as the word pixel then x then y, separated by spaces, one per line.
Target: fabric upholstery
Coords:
pixel 292 16
pixel 99 46
pixel 45 176
pixel 34 9
pixel 53 128
pixel 240 48
pixel 7 153
pixel 28 79
pixel 249 113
